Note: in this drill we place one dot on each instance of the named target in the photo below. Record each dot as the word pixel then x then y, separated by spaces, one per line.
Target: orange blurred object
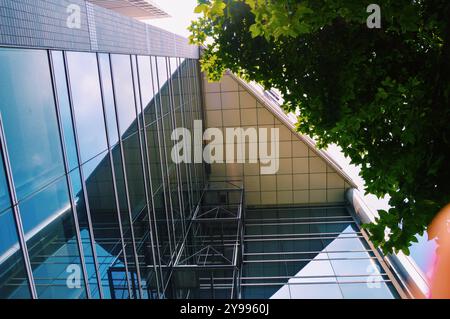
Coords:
pixel 440 229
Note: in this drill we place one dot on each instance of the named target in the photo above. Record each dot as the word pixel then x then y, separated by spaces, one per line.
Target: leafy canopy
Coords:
pixel 381 94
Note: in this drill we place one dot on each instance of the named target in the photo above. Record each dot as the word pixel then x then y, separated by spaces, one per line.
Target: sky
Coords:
pixel 181 12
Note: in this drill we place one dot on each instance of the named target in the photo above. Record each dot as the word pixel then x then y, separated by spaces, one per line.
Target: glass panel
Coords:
pixel 108 96
pixel 135 178
pixel 28 111
pixel 124 212
pixel 162 224
pixel 163 85
pixel 320 251
pixel 106 228
pixel 13 279
pixel 85 235
pixel 175 77
pixel 137 91
pixel 176 211
pixel 187 120
pixel 141 226
pixel 378 290
pixel 123 85
pixel 64 108
pixel 5 201
pixel 154 156
pixel 87 103
pixel 52 243
pixel 146 85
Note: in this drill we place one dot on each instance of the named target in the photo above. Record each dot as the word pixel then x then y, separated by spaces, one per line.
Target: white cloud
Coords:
pixel 181 12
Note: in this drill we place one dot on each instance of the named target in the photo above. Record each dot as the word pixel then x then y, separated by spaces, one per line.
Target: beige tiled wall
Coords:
pixel 303 176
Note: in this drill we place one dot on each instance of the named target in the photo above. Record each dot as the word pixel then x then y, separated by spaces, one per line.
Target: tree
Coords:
pixel 382 94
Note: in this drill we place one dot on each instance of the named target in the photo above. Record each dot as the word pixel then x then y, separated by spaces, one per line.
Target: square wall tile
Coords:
pixel 251 169
pixel 285 166
pixel 265 117
pixel 210 86
pixel 230 100
pixel 251 183
pixel 218 169
pixel 213 118
pixel 231 118
pixel 334 180
pixel 268 182
pixel 285 133
pixel 299 149
pixel 300 181
pixel 284 182
pixel 317 165
pixel 335 195
pixel 268 198
pixel 300 165
pixel 212 101
pixel 246 100
pixel 284 197
pixel 285 149
pixel 227 84
pixel 301 197
pixel 253 198
pixel 235 170
pixel 249 117
pixel 318 196
pixel 318 181
pixel 330 169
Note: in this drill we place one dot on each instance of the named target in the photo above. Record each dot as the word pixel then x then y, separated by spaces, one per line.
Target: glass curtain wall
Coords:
pixel 92 204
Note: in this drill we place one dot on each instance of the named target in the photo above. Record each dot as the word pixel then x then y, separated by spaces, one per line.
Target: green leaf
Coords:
pixel 255 30
pixel 217 8
pixel 201 8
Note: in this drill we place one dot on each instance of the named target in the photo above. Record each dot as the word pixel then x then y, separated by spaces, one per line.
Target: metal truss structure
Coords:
pixel 209 262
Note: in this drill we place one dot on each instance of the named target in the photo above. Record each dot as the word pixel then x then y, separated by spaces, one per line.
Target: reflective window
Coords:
pixel 315 252
pixel 124 211
pixel 137 90
pixel 85 235
pixel 146 85
pixel 13 282
pixel 87 103
pixel 154 155
pixel 162 224
pixel 123 85
pixel 185 72
pixel 5 201
pixel 28 111
pixel 164 90
pixel 52 244
pixel 176 81
pixel 105 73
pixel 64 108
pixel 106 227
pixel 135 178
pixel 157 97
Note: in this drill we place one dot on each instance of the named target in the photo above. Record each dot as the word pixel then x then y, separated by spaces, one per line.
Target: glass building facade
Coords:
pixel 91 204
pixel 96 204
